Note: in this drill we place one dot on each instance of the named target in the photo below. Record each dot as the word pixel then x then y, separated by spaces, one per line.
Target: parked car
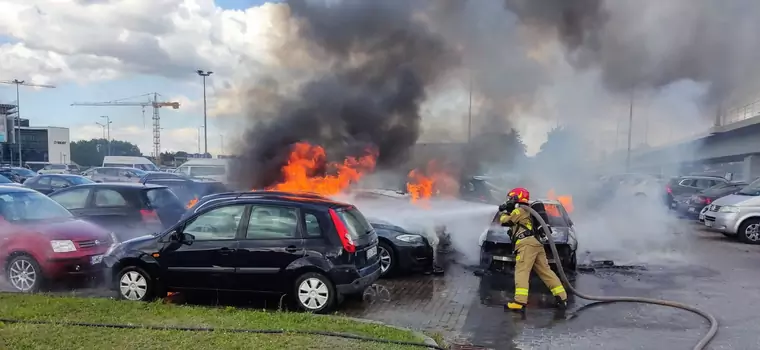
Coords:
pixel 306 246
pixel 496 250
pixel 40 241
pixel 692 206
pixel 54 169
pixel 480 189
pixel 17 174
pixel 47 184
pixel 136 162
pixel 127 209
pixel 4 181
pixel 688 185
pixel 113 174
pixel 189 190
pixel 737 214
pixel 215 169
pixel 400 249
pixel 35 166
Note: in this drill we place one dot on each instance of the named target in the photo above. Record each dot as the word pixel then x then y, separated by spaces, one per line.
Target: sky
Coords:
pixel 105 50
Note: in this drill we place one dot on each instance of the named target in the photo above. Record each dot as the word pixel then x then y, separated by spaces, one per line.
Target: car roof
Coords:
pixel 119 185
pixel 180 179
pixel 278 197
pixel 129 159
pixel 61 175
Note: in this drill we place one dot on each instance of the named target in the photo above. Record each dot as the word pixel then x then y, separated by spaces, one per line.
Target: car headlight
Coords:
pixel 410 238
pixel 63 246
pixel 728 209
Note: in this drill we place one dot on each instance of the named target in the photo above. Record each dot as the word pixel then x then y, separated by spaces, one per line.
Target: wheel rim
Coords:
pixel 753 232
pixel 385 260
pixel 133 285
pixel 22 275
pixel 313 294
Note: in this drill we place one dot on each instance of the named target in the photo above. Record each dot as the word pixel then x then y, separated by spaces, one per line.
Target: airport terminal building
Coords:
pixel 38 144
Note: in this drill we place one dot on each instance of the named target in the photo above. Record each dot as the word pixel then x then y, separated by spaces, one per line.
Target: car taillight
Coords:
pixel 708 200
pixel 149 216
pixel 343 234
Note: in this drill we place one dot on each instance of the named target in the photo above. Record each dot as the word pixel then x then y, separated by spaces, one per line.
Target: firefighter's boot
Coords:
pixel 515 307
pixel 561 304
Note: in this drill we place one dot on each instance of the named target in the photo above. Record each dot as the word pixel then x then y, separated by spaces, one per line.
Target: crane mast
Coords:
pixel 155 103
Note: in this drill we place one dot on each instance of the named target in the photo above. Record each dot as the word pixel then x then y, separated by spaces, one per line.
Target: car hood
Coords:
pixel 500 234
pixel 12 184
pixel 733 199
pixel 73 229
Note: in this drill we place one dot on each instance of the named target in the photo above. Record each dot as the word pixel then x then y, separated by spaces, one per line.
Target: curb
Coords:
pixel 425 339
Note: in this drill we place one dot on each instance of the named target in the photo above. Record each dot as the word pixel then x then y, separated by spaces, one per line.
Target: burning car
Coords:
pixel 497 252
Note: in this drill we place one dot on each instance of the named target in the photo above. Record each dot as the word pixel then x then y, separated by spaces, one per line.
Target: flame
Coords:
pixel 191 203
pixel 566 200
pixel 434 180
pixel 304 171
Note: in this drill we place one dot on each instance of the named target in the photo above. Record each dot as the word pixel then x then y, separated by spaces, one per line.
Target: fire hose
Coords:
pixel 624 299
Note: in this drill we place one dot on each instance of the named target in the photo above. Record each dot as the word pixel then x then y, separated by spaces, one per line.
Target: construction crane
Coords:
pixel 17 120
pixel 155 103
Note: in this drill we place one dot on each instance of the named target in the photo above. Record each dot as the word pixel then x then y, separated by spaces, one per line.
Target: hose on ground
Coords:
pixel 614 299
pixel 226 330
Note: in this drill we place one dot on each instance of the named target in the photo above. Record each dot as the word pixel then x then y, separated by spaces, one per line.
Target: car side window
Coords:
pixel 44 181
pixel 109 198
pixel 687 182
pixel 313 229
pixel 74 199
pixel 58 182
pixel 704 183
pixel 216 224
pixel 271 222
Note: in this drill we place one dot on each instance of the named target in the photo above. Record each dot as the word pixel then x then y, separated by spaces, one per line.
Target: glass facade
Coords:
pixel 34 147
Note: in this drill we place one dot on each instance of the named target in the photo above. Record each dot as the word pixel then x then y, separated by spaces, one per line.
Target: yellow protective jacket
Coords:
pixel 519 220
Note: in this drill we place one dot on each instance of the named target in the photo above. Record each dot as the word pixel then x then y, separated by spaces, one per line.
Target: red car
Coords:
pixel 41 241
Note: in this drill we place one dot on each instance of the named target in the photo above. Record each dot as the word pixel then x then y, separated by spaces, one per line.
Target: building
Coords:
pixel 38 144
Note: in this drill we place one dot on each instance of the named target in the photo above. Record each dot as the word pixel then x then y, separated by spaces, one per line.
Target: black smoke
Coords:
pixel 380 62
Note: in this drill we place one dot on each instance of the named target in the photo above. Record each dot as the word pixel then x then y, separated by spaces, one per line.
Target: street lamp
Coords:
pixel 221 140
pixel 17 120
pixel 108 128
pixel 204 75
pixel 199 137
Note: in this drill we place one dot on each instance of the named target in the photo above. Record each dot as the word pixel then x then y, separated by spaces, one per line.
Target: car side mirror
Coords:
pixel 187 239
pixel 128 175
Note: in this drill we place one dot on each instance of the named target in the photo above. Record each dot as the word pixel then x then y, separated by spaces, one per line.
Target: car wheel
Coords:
pixel 749 231
pixel 314 293
pixel 135 284
pixel 570 263
pixel 24 274
pixel 387 257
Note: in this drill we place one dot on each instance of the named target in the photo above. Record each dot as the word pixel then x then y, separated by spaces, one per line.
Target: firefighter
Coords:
pixel 530 253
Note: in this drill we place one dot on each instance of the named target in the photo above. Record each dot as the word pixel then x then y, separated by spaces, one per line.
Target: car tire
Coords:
pixel 24 274
pixel 313 292
pixel 570 263
pixel 135 284
pixel 749 231
pixel 387 256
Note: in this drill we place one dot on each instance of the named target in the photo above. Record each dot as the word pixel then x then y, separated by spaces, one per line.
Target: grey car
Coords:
pixel 108 174
pixel 737 214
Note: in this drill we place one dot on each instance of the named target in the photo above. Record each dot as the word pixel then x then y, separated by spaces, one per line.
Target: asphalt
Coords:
pixel 712 272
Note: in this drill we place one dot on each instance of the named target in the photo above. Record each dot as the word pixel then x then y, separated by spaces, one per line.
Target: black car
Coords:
pixel 189 190
pixel 308 247
pixel 401 250
pixel 16 174
pixel 155 175
pixel 480 189
pixel 496 250
pixel 128 209
pixel 684 186
pixel 48 184
pixel 693 205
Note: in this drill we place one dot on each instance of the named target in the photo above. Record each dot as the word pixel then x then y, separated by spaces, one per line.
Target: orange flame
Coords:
pixel 191 203
pixel 302 172
pixel 434 180
pixel 566 200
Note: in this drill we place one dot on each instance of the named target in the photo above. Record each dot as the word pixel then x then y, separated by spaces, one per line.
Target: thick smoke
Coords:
pixel 380 61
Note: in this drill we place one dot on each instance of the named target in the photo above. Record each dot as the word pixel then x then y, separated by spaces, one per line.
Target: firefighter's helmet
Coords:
pixel 519 195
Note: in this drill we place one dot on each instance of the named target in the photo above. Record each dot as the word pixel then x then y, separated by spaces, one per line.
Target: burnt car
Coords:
pixel 401 250
pixel 497 251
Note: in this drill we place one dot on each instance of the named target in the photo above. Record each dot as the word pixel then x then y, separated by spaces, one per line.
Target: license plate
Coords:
pixel 708 223
pixel 371 252
pixel 692 210
pixel 96 259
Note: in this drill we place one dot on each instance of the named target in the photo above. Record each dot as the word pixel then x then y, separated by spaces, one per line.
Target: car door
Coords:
pixel 209 262
pixel 272 241
pixel 75 200
pixel 43 185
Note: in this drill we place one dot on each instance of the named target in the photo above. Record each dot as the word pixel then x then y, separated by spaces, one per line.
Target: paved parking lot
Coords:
pixel 716 273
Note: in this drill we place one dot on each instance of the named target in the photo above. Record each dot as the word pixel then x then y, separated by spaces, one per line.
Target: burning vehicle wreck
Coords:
pixel 496 246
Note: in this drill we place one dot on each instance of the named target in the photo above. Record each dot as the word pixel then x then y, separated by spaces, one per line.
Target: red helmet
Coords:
pixel 522 195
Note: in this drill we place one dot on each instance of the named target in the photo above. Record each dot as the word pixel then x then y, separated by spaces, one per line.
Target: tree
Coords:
pixel 497 151
pixel 91 152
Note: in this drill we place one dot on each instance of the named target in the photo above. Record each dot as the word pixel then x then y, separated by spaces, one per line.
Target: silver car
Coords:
pixel 109 174
pixel 737 214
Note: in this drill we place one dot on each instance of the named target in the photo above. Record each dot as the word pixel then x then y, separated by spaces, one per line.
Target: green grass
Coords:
pixel 97 310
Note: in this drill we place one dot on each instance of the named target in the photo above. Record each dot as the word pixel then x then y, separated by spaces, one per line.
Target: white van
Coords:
pixel 215 169
pixel 141 163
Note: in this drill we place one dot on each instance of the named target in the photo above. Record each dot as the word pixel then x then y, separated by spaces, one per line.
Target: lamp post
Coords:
pixel 221 141
pixel 199 138
pixel 17 120
pixel 108 128
pixel 204 75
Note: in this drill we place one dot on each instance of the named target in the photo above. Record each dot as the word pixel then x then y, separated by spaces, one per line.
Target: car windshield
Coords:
pixel 556 215
pixel 30 206
pixel 752 189
pixel 78 180
pixel 23 172
pixel 207 170
pixel 146 167
pixel 4 180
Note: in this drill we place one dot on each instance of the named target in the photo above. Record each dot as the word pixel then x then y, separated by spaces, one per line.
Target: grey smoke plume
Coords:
pixel 380 62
